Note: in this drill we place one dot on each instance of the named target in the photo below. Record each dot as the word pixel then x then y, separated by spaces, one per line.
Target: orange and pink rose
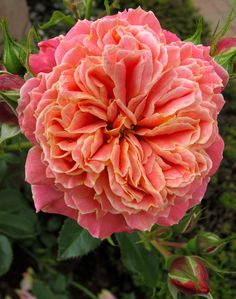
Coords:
pixel 123 118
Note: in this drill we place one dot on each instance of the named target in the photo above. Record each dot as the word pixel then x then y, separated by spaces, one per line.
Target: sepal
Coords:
pixel 13 54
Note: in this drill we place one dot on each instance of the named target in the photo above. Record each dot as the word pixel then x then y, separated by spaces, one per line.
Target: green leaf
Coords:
pixel 10 95
pixel 56 18
pixel 8 131
pixel 173 291
pixel 42 290
pixel 128 296
pixel 17 219
pixel 74 241
pixel 196 37
pixel 11 104
pixel 6 255
pixel 139 260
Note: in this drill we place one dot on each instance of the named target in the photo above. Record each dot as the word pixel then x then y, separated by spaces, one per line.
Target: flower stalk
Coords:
pixel 164 252
pixel 88 9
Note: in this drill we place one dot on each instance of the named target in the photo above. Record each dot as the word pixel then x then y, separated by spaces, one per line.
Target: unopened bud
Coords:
pixel 13 54
pixel 226 53
pixel 226 44
pixel 189 221
pixel 189 275
pixel 10 82
pixel 9 93
pixel 105 294
pixel 208 243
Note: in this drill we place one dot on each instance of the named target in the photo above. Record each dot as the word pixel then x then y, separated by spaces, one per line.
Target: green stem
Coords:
pixel 227 24
pixel 84 289
pixel 173 244
pixel 76 13
pixel 107 6
pixel 88 9
pixel 166 253
pixel 17 146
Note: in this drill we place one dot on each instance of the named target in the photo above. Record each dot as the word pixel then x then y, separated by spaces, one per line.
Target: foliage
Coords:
pixel 179 16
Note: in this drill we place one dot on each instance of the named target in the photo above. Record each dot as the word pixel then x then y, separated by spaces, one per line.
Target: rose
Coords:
pixel 124 125
pixel 188 275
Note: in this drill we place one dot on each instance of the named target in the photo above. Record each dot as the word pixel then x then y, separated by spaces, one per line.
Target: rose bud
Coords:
pixel 189 275
pixel 24 295
pixel 208 243
pixel 8 84
pixel 13 53
pixel 105 294
pixel 189 221
pixel 26 285
pixel 226 54
pixel 226 44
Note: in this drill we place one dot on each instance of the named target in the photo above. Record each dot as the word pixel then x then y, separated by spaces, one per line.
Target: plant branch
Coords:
pixel 173 244
pixel 84 289
pixel 165 252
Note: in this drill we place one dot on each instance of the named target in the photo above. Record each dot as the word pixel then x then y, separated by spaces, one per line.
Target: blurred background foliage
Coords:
pixel 102 268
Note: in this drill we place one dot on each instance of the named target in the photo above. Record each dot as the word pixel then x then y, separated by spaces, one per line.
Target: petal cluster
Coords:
pixel 123 119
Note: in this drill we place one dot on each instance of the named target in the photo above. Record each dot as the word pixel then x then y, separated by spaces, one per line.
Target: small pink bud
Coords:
pixel 226 44
pixel 9 81
pixel 105 294
pixel 189 275
pixel 207 242
pixel 24 295
pixel 26 285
